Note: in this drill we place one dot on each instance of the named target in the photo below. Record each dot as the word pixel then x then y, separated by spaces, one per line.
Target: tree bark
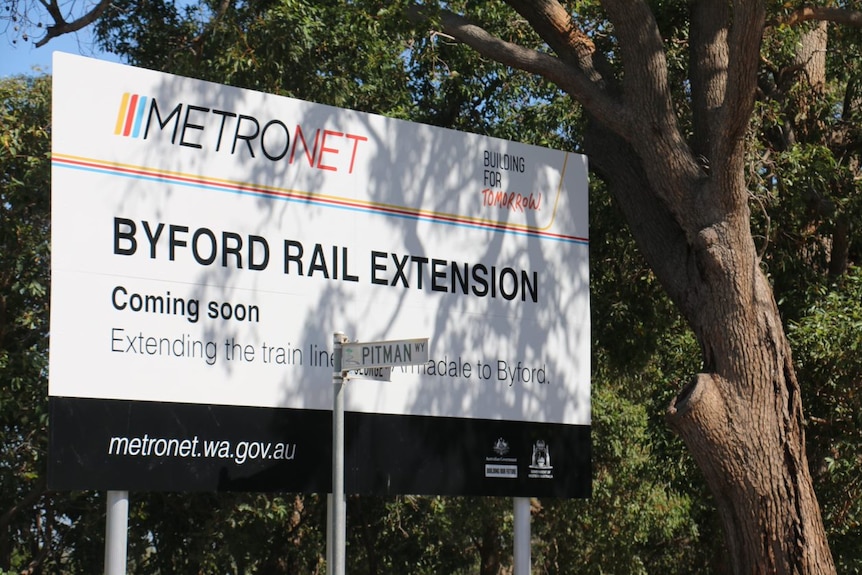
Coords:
pixel 746 436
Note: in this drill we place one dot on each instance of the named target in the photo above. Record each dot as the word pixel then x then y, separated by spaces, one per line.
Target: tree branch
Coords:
pixel 744 41
pixel 643 57
pixel 708 62
pixel 655 131
pixel 569 78
pixel 555 26
pixel 27 500
pixel 829 14
pixel 61 26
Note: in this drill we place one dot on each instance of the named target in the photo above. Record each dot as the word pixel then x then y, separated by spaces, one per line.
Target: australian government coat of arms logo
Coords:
pixel 500 464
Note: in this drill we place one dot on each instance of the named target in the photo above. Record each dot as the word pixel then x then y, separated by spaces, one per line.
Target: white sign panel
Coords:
pixel 208 241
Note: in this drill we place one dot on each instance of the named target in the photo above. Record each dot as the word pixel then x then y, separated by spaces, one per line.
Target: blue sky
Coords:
pixel 20 58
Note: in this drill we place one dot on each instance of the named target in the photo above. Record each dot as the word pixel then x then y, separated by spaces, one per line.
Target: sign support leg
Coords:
pixel 329 512
pixel 339 505
pixel 522 536
pixel 116 532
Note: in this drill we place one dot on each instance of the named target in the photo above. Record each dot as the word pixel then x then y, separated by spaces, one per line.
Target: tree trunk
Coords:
pixel 490 554
pixel 742 417
pixel 687 207
pixel 684 198
pixel 746 435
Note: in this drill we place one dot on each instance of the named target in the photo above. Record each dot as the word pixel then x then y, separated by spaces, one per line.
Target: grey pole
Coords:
pixel 116 532
pixel 339 505
pixel 522 536
pixel 329 511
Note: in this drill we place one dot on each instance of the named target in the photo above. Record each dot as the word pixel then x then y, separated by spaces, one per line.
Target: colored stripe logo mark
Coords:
pixel 130 116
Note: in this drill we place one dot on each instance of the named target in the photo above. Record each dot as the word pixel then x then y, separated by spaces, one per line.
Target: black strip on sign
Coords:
pixel 152 446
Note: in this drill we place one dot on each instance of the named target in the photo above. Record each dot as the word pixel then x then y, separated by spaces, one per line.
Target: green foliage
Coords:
pixel 637 521
pixel 342 54
pixel 807 196
pixel 425 535
pixel 827 340
pixel 24 279
pixel 192 533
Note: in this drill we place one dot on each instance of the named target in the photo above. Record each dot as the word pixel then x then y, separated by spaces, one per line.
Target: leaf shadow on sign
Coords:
pixel 445 183
pixel 522 340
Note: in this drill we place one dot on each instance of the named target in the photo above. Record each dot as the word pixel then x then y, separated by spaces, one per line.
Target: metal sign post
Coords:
pixel 374 360
pixel 339 505
pixel 116 532
pixel 522 536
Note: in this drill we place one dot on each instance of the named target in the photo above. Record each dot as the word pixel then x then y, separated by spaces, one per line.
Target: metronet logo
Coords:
pixel 243 135
pixel 131 115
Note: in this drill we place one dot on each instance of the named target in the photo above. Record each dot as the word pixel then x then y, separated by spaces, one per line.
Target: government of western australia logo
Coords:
pixel 499 465
pixel 540 461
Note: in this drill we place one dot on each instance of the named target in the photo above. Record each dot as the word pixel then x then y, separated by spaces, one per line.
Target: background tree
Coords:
pixel 24 280
pixel 685 196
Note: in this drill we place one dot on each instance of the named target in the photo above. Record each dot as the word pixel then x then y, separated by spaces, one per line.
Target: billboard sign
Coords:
pixel 207 241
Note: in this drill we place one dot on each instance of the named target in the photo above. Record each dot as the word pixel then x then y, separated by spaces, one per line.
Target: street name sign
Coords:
pixel 374 373
pixel 393 353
